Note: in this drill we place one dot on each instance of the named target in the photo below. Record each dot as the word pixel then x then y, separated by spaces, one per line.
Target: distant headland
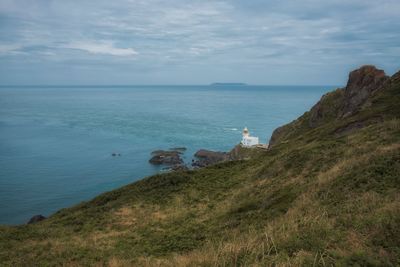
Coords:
pixel 228 84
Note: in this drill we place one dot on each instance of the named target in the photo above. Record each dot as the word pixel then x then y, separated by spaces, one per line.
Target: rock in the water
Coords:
pixel 178 149
pixel 203 153
pixel 166 157
pixel 36 218
pixel 208 157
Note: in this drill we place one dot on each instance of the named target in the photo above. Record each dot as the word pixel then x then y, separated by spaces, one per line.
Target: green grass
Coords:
pixel 315 198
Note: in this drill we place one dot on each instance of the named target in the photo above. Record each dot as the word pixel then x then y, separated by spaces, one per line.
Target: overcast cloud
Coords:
pixel 195 42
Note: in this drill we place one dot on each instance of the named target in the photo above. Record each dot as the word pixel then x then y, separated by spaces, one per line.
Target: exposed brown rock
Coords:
pixel 236 153
pixel 355 125
pixel 36 219
pixel 362 83
pixel 166 157
pixel 327 107
pixel 208 157
pixel 277 134
pixel 395 78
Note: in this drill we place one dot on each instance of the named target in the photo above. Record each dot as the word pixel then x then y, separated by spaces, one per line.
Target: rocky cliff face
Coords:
pixel 362 83
pixel 344 102
pixel 326 108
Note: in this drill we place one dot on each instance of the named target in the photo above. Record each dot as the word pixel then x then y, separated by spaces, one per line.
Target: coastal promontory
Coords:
pixel 325 193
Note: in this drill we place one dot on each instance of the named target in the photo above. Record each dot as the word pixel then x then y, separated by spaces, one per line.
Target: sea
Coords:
pixel 57 142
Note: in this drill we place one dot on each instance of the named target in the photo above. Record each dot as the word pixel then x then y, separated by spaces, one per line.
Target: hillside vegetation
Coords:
pixel 327 192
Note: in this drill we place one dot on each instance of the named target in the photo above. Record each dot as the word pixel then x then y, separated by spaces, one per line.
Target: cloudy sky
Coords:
pixel 195 42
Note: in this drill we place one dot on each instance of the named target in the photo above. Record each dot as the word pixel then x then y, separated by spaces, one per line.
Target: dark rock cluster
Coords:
pixel 166 157
pixel 36 219
pixel 202 158
pixel 362 83
pixel 207 157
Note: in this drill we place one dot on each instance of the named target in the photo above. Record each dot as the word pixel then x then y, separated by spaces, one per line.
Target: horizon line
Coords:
pixel 127 85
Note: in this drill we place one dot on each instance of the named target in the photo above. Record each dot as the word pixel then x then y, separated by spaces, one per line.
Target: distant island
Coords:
pixel 228 84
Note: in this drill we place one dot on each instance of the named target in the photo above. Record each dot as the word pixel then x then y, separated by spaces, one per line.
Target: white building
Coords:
pixel 248 140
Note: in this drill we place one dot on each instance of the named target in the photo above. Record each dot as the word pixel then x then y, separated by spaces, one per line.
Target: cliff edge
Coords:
pixel 362 85
pixel 327 193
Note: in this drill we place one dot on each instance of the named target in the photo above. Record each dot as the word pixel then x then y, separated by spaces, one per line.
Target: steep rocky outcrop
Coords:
pixel 279 133
pixel 362 84
pixel 326 108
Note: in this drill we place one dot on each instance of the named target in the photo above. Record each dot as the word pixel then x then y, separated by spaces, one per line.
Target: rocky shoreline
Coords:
pixel 204 158
pixel 172 159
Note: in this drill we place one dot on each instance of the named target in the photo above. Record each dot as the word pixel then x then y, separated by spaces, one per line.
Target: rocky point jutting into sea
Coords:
pixel 326 193
pixel 361 85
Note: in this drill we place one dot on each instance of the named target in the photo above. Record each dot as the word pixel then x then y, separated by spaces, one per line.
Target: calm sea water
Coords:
pixel 56 142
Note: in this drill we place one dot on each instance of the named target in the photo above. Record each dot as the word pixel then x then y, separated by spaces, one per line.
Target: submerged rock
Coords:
pixel 36 218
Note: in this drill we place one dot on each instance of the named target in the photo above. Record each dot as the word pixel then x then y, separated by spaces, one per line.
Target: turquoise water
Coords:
pixel 56 142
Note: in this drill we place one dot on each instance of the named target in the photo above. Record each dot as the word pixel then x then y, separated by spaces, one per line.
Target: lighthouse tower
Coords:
pixel 245 132
pixel 248 140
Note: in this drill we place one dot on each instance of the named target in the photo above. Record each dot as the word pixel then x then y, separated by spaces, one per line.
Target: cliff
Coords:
pixel 326 193
pixel 335 106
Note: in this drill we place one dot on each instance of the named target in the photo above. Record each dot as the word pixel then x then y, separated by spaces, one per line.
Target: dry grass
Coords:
pixel 115 262
pixel 314 200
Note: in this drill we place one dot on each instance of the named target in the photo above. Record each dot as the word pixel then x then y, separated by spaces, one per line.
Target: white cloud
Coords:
pixel 213 34
pixel 101 47
pixel 10 48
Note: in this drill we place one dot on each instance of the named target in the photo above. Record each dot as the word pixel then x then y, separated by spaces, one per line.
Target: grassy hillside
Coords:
pixel 326 193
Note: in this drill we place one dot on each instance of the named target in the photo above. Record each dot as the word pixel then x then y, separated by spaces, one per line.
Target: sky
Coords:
pixel 271 42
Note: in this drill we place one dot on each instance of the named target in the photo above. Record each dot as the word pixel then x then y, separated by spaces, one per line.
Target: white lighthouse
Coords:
pixel 248 140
